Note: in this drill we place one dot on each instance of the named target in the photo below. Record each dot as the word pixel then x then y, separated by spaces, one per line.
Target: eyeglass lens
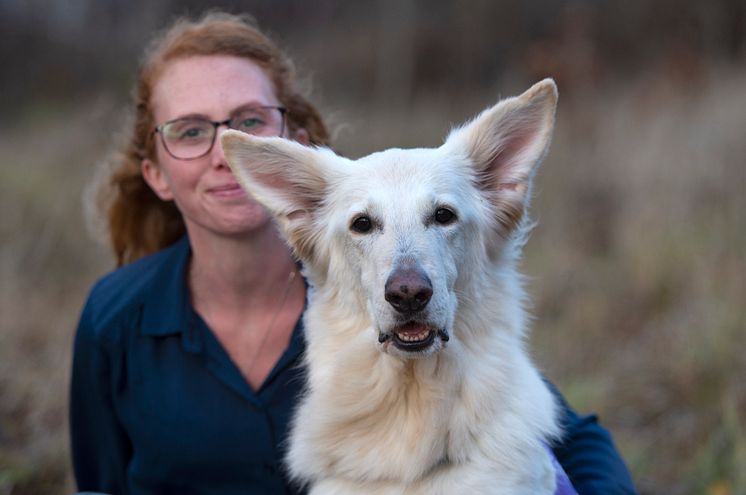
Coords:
pixel 194 137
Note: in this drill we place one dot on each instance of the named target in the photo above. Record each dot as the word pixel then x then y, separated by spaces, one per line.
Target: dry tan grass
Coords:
pixel 638 270
pixel 640 266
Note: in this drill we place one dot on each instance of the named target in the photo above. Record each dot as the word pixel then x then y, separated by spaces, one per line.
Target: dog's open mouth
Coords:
pixel 413 336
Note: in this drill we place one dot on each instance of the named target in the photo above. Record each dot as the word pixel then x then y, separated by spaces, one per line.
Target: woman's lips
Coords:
pixel 228 190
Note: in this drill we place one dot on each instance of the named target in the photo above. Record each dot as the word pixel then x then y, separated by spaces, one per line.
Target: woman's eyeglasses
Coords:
pixel 190 138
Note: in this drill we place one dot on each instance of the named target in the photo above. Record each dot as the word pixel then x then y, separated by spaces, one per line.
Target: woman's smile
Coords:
pixel 229 190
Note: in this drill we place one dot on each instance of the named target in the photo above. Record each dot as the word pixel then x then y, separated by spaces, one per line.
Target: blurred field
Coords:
pixel 640 271
pixel 637 265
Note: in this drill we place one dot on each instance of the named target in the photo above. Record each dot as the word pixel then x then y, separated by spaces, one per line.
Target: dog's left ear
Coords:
pixel 289 179
pixel 505 143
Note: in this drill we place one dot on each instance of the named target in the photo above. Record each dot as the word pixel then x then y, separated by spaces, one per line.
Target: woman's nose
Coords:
pixel 217 154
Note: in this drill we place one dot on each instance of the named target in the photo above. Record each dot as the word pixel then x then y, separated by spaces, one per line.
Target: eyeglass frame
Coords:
pixel 215 124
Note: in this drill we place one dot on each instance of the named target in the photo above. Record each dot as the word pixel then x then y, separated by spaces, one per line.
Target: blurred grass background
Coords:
pixel 638 262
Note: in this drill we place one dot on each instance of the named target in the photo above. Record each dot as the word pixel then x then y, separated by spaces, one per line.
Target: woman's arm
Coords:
pixel 100 447
pixel 588 455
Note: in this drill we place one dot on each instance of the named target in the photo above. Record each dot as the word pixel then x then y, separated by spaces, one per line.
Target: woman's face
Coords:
pixel 213 87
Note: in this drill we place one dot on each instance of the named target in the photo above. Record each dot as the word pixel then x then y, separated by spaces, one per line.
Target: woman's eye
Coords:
pixel 444 216
pixel 362 225
pixel 192 133
pixel 251 123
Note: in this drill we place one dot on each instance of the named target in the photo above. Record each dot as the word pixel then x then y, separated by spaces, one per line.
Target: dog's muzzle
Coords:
pixel 408 290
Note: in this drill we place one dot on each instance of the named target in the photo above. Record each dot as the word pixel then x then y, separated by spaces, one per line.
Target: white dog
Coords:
pixel 419 381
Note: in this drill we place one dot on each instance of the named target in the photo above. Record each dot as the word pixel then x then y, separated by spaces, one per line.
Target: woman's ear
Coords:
pixel 156 179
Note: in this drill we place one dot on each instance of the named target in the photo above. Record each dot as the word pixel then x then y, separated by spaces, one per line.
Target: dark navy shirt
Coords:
pixel 158 407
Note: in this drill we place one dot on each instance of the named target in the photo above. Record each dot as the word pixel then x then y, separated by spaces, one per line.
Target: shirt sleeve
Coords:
pixel 100 447
pixel 588 455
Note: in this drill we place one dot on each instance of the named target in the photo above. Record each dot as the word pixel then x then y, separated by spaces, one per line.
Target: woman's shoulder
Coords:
pixel 120 293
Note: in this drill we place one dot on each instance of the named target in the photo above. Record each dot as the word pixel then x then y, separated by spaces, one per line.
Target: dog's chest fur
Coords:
pixel 372 423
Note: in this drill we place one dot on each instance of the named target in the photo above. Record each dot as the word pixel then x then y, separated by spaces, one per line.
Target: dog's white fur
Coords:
pixel 467 415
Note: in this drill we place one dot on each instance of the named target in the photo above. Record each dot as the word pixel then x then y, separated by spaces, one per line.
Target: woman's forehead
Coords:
pixel 210 85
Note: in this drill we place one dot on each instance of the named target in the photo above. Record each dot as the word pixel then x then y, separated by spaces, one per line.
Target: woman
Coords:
pixel 185 368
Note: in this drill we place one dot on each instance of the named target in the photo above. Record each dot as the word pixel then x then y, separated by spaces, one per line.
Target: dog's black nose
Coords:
pixel 408 290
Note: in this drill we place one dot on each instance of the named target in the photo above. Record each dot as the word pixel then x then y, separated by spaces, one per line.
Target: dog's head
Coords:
pixel 405 236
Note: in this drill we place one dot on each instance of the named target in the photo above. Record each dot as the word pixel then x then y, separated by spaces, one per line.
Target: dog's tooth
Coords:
pixel 417 337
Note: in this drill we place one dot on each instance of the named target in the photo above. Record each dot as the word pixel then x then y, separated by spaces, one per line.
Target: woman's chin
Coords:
pixel 244 221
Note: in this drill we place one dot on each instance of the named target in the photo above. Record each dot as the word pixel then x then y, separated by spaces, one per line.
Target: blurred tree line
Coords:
pixel 382 51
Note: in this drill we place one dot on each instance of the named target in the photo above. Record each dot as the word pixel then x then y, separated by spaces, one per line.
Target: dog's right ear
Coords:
pixel 289 179
pixel 505 144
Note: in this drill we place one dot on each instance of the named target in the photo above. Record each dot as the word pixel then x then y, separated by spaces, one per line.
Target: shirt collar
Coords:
pixel 166 306
pixel 167 309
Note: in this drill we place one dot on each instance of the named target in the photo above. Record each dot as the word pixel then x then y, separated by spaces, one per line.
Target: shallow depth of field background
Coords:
pixel 638 263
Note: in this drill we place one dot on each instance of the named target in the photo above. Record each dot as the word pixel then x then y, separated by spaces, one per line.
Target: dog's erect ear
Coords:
pixel 289 179
pixel 505 143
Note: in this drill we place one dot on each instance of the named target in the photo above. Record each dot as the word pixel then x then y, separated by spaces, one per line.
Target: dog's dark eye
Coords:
pixel 444 216
pixel 362 224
